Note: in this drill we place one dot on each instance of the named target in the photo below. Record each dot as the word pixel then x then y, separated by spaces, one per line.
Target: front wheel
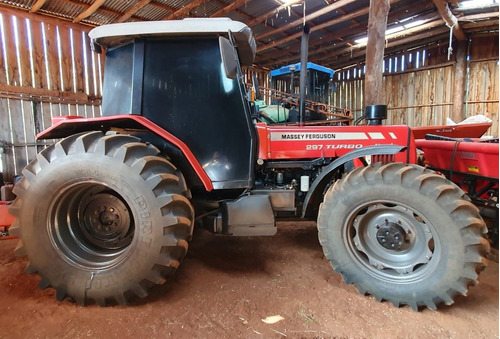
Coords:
pixel 102 218
pixel 403 234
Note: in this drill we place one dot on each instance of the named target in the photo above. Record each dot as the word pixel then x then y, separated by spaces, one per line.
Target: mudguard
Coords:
pixel 66 126
pixel 317 187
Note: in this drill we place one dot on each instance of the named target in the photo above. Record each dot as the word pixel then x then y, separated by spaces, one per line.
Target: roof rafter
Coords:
pixel 353 30
pixel 450 19
pixel 392 48
pixel 269 14
pixel 37 5
pixel 309 17
pixel 400 37
pixel 317 27
pixel 183 10
pixel 133 10
pixel 319 53
pixel 89 11
pixel 235 5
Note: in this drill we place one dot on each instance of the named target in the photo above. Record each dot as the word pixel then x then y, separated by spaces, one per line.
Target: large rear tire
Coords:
pixel 102 218
pixel 404 234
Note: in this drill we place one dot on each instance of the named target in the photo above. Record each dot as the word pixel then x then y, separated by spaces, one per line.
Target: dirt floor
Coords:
pixel 226 286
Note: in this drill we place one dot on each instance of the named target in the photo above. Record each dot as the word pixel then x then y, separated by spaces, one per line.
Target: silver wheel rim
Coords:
pixel 392 242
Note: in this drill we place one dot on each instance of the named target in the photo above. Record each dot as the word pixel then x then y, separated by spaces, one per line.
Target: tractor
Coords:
pixel 284 102
pixel 108 211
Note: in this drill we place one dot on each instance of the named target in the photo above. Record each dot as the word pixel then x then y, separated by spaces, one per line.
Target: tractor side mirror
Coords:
pixel 228 57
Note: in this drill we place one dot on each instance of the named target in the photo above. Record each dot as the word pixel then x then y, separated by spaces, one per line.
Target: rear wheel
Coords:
pixel 103 218
pixel 404 234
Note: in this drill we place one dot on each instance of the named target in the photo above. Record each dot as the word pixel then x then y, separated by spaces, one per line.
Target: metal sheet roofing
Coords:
pixel 335 24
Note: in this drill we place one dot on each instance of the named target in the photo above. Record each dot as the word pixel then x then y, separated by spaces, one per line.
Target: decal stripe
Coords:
pixel 376 135
pixel 304 136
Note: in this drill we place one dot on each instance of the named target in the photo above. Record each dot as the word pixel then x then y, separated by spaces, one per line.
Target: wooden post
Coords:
pixel 377 22
pixel 459 82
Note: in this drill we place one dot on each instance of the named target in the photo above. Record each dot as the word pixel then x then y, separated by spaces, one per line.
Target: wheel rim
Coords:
pixel 392 242
pixel 90 225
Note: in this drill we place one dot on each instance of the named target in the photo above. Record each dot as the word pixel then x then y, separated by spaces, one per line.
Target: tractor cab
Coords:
pixel 181 75
pixel 284 97
pixel 286 79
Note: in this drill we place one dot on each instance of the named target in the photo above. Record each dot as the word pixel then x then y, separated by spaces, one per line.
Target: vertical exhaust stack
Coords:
pixel 375 114
pixel 303 73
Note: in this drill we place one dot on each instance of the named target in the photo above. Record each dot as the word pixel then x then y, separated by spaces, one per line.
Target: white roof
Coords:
pixel 116 34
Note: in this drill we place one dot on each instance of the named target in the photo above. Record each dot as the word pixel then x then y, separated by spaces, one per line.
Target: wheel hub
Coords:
pixel 391 236
pixel 106 221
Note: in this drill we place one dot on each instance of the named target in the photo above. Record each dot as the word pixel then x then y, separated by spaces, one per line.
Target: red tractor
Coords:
pixel 107 212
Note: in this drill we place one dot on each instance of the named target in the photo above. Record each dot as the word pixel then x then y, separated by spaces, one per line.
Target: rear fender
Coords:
pixel 315 194
pixel 64 127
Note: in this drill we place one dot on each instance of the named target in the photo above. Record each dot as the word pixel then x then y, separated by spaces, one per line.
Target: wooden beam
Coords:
pixel 317 27
pixel 480 16
pixel 163 6
pixel 101 10
pixel 431 30
pixel 377 22
pixel 352 49
pixel 56 21
pixel 128 14
pixel 324 44
pixel 271 13
pixel 413 43
pixel 89 11
pixel 183 10
pixel 229 8
pixel 309 17
pixel 449 18
pixel 459 81
pixel 37 5
pixel 27 93
pixel 262 47
pixel 491 6
pixel 312 24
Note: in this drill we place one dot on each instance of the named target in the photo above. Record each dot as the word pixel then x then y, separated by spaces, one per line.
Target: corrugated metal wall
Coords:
pixel 47 69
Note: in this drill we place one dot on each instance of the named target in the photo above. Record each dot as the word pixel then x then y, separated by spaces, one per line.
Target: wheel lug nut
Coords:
pixel 111 209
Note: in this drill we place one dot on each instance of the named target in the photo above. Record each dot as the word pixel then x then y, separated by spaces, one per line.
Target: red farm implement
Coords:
pixel 6 220
pixel 473 165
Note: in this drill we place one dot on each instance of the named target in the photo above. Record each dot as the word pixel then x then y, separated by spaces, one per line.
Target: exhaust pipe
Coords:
pixel 303 73
pixel 374 114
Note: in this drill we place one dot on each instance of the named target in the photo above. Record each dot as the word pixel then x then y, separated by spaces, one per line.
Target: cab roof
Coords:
pixel 116 34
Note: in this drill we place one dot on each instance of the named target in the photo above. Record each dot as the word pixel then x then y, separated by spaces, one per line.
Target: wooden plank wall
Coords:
pixel 420 92
pixel 46 69
pixel 482 72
